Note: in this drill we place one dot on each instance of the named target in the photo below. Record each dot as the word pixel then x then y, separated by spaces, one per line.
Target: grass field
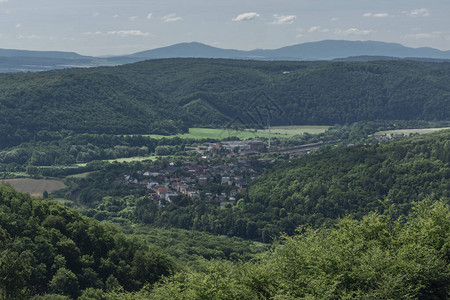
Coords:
pixel 35 187
pixel 412 131
pixel 132 159
pixel 81 175
pixel 276 131
pixel 290 131
pixel 207 133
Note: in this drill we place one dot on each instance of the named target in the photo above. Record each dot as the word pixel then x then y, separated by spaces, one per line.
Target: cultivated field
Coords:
pixel 276 131
pixel 133 159
pixel 289 131
pixel 412 131
pixel 81 175
pixel 35 187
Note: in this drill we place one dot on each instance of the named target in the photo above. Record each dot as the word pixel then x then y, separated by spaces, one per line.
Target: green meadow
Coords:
pixel 412 131
pixel 133 159
pixel 218 133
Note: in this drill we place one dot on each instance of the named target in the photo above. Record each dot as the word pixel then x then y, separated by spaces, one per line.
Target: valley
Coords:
pixel 162 182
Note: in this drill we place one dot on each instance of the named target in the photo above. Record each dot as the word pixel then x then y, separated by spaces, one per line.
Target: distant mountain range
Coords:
pixel 323 50
pixel 22 60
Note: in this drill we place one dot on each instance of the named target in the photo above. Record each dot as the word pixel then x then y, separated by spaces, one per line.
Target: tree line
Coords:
pixel 170 95
pixel 48 248
pixel 373 257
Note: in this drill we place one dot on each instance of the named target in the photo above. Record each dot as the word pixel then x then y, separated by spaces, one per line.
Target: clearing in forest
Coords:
pixel 220 133
pixel 412 131
pixel 35 187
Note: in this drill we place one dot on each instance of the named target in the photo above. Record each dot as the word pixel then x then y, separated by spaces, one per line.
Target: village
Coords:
pixel 220 172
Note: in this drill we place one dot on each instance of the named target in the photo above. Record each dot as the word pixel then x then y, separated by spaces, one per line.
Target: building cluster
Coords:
pixel 384 137
pixel 241 148
pixel 219 180
pixel 224 171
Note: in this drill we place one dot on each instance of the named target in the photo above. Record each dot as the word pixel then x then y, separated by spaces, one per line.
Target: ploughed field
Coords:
pixel 35 187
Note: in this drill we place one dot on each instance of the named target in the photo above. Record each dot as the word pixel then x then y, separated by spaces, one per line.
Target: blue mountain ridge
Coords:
pixel 24 60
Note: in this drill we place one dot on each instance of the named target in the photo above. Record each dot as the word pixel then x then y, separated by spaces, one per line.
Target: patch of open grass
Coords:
pixel 35 187
pixel 219 133
pixel 132 159
pixel 81 175
pixel 412 131
pixel 290 131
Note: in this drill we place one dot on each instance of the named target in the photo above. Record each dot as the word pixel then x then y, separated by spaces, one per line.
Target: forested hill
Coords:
pixel 169 95
pixel 353 181
pixel 313 191
pixel 48 248
pixel 51 252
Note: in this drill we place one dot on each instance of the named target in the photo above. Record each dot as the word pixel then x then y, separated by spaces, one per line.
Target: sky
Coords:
pixel 115 27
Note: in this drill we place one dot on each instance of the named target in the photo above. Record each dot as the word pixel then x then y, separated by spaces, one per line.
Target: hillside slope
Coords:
pixel 169 95
pixel 352 181
pixel 315 190
pixel 46 247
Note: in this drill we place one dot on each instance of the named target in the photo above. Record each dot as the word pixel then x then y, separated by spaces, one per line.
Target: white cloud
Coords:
pixel 334 19
pixel 133 18
pixel 354 31
pixel 376 15
pixel 424 35
pixel 171 18
pixel 420 12
pixel 246 17
pixel 30 37
pixel 18 25
pixel 317 29
pixel 3 1
pixel 280 20
pixel 93 33
pixel 115 16
pixel 149 16
pixel 96 14
pixel 127 33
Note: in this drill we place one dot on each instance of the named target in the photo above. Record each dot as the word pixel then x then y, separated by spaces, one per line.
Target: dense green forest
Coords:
pixel 67 148
pixel 52 252
pixel 169 95
pixel 314 190
pixel 48 248
pixel 375 258
pixel 355 180
pixel 350 223
pixel 355 219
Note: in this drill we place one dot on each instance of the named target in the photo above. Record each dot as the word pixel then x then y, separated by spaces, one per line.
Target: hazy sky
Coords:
pixel 102 27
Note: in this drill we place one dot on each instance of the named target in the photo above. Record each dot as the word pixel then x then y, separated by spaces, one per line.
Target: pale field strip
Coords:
pixel 218 133
pixel 35 187
pixel 412 131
